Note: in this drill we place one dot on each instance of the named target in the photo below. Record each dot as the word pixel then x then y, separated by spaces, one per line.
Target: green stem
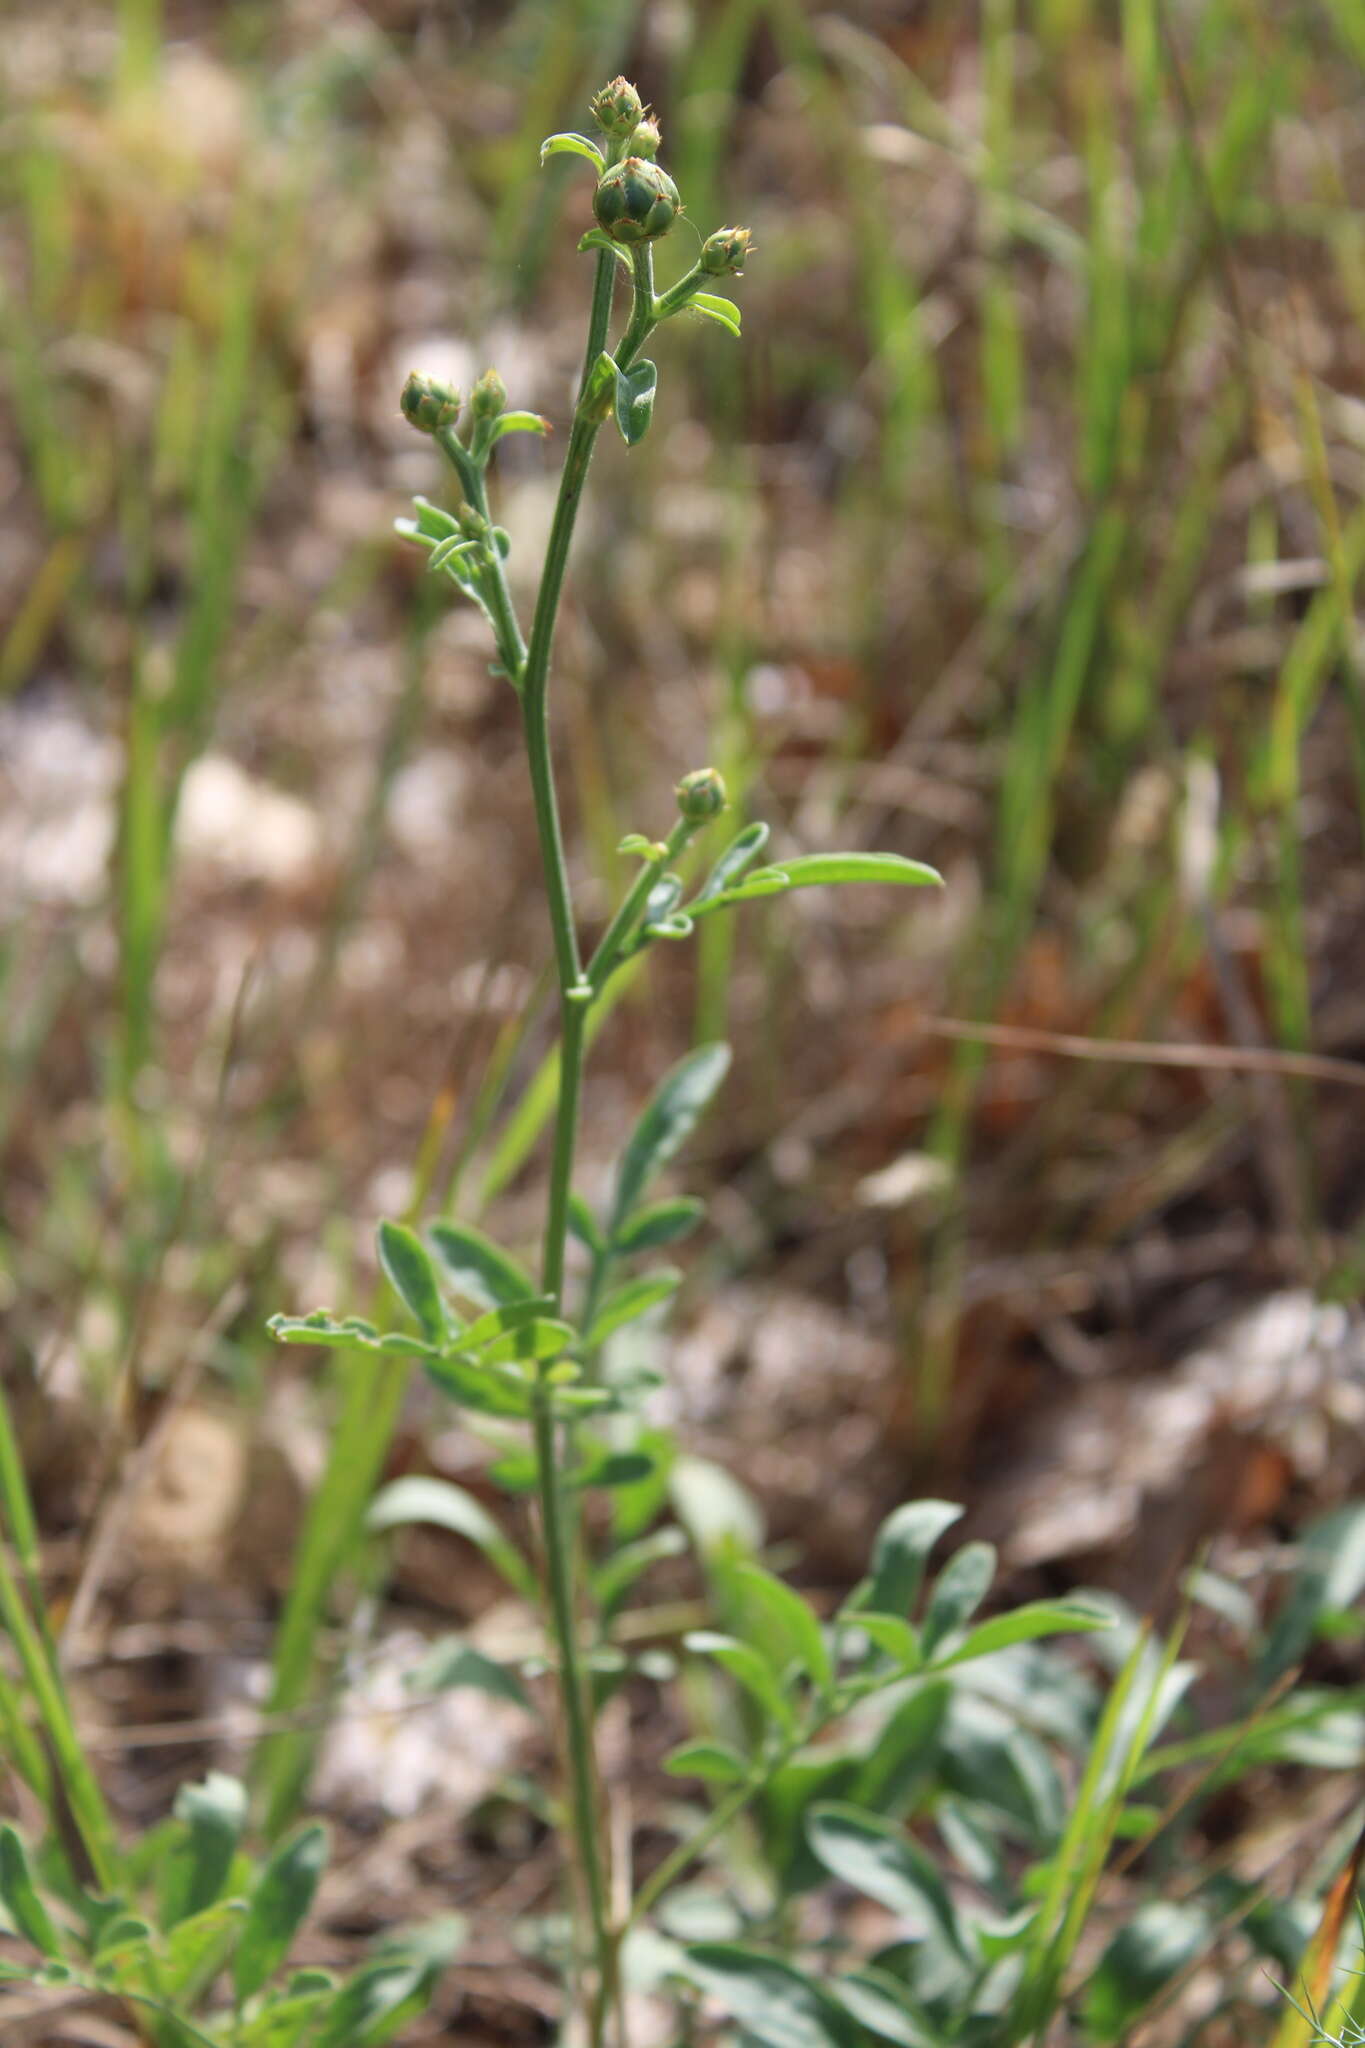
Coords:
pixel 493 580
pixel 574 997
pixel 607 957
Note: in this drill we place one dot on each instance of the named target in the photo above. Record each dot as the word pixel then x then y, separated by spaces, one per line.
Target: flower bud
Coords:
pixel 725 251
pixel 701 795
pixel 489 396
pixel 646 140
pixel 472 524
pixel 428 404
pixel 617 108
pixel 636 201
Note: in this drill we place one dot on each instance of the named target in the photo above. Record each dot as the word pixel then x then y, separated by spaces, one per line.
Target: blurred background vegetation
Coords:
pixel 1021 533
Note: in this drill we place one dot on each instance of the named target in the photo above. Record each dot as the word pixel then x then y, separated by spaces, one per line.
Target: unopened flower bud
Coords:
pixel 636 201
pixel 646 140
pixel 701 795
pixel 472 524
pixel 725 251
pixel 489 396
pixel 428 404
pixel 617 108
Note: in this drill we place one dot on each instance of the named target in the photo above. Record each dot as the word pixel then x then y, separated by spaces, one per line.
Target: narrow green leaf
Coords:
pixel 519 423
pixel 1162 1938
pixel 496 1322
pixel 542 1337
pixel 584 1226
pixel 790 1623
pixel 196 1947
pixel 409 1271
pixel 278 1907
pixel 596 239
pixel 620 1569
pixel 958 1591
pixel 478 1269
pixel 1038 1618
pixel 19 1896
pixel 667 1122
pixel 817 870
pixel 452 1663
pixel 746 846
pixel 318 1327
pixel 724 312
pixel 893 1636
pixel 719 1514
pixel 776 2005
pixel 713 1761
pixel 373 2004
pixel 446 1506
pixel 628 1302
pixel 660 1224
pixel 212 1817
pixel 486 1391
pixel 572 145
pixel 881 2004
pixel 900 1552
pixel 634 401
pixel 752 1672
pixel 287 2020
pixel 879 1859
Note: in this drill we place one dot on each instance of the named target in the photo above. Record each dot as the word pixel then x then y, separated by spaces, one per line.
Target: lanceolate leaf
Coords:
pixel 629 1302
pixel 279 1905
pixel 1038 1618
pixel 958 1591
pixel 745 847
pixel 668 1121
pixel 724 312
pixel 446 1506
pixel 775 2004
pixel 573 145
pixel 409 1271
pixel 19 1896
pixel 816 870
pixel 878 1858
pixel 483 1388
pixel 900 1552
pixel 212 1815
pixel 662 1223
pixel 477 1268
pixel 744 1664
pixel 788 1623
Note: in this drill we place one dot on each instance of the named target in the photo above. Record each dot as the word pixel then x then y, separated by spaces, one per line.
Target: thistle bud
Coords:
pixel 617 108
pixel 701 796
pixel 646 140
pixel 428 404
pixel 489 396
pixel 636 201
pixel 725 251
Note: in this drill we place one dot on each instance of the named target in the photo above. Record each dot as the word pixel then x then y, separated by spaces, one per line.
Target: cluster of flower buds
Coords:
pixel 489 396
pixel 636 201
pixel 429 405
pixel 618 109
pixel 725 251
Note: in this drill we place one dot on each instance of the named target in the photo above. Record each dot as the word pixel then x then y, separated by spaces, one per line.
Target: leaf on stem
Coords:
pixel 899 1554
pixel 635 389
pixel 752 1672
pixel 667 1122
pixel 776 2005
pixel 446 1506
pixel 409 1271
pixel 572 145
pixel 660 1224
pixel 630 1301
pixel 959 1590
pixel 519 423
pixel 279 1905
pixel 1037 1618
pixel 211 1817
pixel 789 1631
pixel 713 1761
pixel 477 1268
pixel 19 1896
pixel 743 848
pixel 724 312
